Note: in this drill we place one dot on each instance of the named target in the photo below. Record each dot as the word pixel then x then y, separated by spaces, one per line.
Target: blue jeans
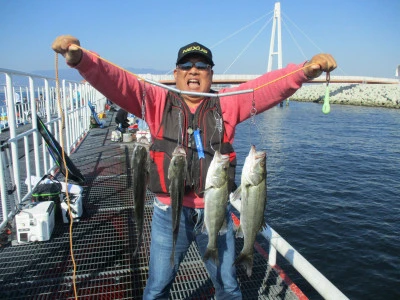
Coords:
pixel 162 274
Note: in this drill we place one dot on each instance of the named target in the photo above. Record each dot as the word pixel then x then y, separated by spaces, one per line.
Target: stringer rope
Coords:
pixel 280 78
pixel 192 93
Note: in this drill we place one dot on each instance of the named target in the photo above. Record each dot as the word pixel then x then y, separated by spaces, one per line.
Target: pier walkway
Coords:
pixel 104 239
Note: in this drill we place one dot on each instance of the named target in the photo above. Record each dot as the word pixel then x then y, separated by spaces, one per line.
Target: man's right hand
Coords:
pixel 65 45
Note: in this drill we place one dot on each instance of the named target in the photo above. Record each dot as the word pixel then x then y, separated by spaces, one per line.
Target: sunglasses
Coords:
pixel 198 65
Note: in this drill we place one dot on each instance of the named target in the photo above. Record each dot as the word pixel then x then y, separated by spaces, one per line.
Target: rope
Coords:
pixel 279 78
pixel 66 178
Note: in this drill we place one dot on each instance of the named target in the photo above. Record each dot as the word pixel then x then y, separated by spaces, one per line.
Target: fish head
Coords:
pixel 255 166
pixel 179 151
pixel 260 162
pixel 217 174
pixel 178 162
pixel 140 152
pixel 144 141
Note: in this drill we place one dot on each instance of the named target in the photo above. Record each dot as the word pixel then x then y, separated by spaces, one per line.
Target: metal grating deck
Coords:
pixel 104 240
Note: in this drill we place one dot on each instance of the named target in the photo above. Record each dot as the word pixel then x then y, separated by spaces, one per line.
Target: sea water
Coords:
pixel 333 191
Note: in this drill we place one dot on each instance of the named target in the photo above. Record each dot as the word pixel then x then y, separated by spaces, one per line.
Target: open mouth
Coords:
pixel 193 83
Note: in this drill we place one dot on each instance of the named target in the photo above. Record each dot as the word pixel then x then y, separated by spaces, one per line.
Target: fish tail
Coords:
pixel 213 254
pixel 245 260
pixel 239 232
pixel 204 228
pixel 224 228
pixel 172 258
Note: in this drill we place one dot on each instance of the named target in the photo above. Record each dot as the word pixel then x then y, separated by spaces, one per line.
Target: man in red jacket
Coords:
pixel 172 119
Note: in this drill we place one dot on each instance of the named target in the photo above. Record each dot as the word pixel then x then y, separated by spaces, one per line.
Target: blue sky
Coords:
pixel 363 35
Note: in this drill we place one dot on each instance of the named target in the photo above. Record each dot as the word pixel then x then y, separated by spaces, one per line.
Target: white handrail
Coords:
pixel 318 281
pixel 39 92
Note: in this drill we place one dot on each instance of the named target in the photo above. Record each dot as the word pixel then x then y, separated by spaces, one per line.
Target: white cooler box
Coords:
pixel 75 195
pixel 35 222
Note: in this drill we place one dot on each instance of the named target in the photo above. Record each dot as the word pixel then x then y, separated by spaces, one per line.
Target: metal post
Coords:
pixel 13 132
pixel 34 108
pixel 3 184
pixel 276 25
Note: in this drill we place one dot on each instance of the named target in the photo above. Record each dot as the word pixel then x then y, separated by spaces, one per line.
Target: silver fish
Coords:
pixel 254 198
pixel 216 199
pixel 140 177
pixel 176 175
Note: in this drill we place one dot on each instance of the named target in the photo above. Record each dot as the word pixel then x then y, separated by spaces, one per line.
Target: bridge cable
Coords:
pixel 248 44
pixel 240 30
pixel 294 40
pixel 233 34
pixel 309 39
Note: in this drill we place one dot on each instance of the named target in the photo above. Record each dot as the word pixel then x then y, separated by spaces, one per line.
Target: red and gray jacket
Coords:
pixel 177 127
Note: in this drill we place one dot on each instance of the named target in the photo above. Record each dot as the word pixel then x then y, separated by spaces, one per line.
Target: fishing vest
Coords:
pixel 177 128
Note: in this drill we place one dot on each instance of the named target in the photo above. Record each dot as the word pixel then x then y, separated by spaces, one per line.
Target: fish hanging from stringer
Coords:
pixel 253 194
pixel 216 198
pixel 177 175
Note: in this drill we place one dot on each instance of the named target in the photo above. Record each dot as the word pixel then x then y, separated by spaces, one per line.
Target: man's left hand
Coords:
pixel 319 63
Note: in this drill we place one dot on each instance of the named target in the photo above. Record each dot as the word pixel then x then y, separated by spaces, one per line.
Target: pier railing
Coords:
pixel 277 244
pixel 23 153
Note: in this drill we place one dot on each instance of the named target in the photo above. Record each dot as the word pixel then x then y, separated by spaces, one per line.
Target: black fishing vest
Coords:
pixel 176 112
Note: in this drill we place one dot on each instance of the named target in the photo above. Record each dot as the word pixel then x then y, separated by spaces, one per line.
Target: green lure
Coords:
pixel 326 108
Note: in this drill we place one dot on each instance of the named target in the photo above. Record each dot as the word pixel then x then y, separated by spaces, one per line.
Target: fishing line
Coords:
pixel 66 178
pixel 180 132
pixel 253 123
pixel 143 104
pixel 219 127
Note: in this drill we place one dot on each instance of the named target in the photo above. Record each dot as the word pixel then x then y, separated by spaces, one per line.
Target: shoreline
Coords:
pixel 373 95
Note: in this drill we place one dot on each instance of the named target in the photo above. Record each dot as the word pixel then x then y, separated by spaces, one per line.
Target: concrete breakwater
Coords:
pixel 379 95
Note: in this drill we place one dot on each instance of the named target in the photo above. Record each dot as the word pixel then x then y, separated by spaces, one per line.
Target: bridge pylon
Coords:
pixel 276 31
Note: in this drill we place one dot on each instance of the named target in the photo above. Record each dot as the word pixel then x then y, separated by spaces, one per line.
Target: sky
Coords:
pixel 362 35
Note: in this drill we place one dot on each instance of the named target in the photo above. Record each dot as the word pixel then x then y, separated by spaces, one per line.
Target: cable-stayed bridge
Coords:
pixel 275 51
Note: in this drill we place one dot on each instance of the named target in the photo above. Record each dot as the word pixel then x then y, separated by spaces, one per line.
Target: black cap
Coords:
pixel 195 48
